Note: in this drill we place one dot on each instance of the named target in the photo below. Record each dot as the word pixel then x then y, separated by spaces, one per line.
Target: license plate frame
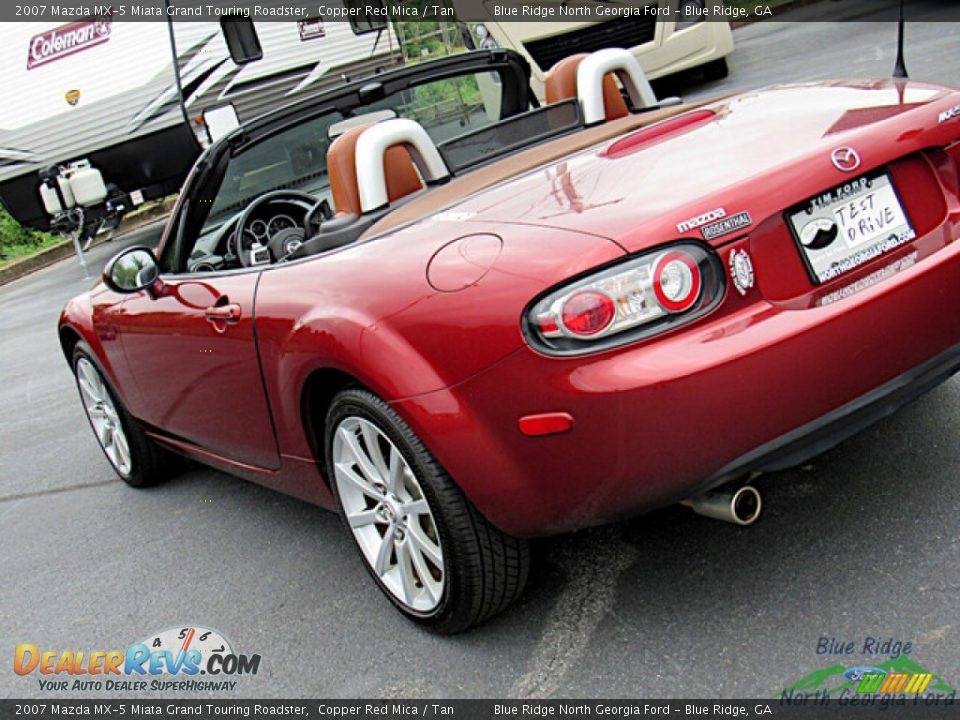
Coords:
pixel 887 221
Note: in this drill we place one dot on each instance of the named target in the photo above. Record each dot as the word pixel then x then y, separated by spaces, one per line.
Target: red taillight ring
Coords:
pixel 693 292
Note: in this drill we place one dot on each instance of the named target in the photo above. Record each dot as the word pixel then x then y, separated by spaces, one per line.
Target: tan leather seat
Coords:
pixel 561 84
pixel 401 173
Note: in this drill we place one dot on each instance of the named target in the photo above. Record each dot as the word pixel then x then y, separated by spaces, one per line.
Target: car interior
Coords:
pixel 323 183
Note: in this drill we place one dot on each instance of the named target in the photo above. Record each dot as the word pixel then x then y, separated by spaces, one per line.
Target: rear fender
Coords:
pixel 336 339
pixel 377 314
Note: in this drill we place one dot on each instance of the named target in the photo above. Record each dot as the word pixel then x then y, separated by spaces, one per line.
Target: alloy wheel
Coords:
pixel 103 416
pixel 389 516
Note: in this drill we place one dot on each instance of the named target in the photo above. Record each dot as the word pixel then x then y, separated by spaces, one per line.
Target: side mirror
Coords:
pixel 241 38
pixel 132 270
pixel 221 120
pixel 367 16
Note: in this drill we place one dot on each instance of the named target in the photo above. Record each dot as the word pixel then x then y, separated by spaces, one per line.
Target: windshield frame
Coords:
pixel 516 97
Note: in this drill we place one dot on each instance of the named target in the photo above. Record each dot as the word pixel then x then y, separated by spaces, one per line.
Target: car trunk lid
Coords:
pixel 756 153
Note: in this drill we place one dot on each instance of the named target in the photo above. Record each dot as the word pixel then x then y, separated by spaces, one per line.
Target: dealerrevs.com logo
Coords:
pixel 67 40
pixel 191 658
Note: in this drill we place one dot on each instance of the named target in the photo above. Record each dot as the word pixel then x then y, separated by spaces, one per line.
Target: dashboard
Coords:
pixel 275 228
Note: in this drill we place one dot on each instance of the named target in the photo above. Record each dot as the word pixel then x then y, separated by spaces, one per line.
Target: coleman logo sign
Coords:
pixel 67 40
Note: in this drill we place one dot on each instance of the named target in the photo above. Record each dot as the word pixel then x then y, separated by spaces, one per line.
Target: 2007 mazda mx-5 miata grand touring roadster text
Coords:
pixel 465 331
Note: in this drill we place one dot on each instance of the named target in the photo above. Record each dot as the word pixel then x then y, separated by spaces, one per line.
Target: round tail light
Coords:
pixel 587 312
pixel 676 281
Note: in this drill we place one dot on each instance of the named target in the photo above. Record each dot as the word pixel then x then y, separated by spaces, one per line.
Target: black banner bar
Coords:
pixel 884 706
pixel 53 11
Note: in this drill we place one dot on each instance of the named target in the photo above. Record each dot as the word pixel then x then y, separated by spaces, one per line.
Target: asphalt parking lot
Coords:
pixel 861 543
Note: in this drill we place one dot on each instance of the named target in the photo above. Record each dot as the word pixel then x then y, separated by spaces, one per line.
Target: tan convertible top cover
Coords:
pixel 472 182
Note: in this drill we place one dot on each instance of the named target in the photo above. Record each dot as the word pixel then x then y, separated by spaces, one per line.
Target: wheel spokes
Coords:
pixel 88 392
pixel 385 508
pixel 96 412
pixel 345 471
pixel 103 434
pixel 429 583
pixel 103 416
pixel 407 578
pixel 417 507
pixel 371 438
pixel 89 384
pixel 364 517
pixel 425 545
pixel 123 450
pixel 382 563
pixel 360 458
pixel 395 473
pixel 110 411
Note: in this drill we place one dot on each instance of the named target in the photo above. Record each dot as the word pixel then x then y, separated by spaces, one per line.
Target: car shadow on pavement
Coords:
pixel 828 529
pixel 655 601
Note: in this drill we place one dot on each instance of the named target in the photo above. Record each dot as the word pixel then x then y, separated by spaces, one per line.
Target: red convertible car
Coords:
pixel 466 324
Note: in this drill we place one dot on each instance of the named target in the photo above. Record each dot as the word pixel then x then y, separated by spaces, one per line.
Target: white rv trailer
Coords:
pixel 103 91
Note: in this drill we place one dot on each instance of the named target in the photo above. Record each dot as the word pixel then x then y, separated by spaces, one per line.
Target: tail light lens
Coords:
pixel 633 299
pixel 587 312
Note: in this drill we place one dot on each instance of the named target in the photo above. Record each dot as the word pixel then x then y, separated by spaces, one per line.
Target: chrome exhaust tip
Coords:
pixel 741 506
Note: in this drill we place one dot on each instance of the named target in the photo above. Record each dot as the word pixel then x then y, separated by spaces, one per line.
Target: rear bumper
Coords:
pixel 815 438
pixel 759 386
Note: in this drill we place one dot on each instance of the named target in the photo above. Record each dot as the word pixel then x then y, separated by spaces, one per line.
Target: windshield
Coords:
pixel 296 158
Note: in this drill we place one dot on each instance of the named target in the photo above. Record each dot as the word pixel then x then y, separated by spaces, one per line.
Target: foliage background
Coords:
pixel 16 241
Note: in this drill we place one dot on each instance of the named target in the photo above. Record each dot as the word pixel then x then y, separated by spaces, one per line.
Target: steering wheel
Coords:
pixel 245 219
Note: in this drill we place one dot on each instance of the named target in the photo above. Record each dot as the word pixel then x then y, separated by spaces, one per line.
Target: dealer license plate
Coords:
pixel 849 226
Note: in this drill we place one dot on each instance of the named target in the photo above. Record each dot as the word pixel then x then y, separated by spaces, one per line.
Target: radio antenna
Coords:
pixel 900 69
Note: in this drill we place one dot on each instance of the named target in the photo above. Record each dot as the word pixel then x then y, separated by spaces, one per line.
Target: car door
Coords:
pixel 190 346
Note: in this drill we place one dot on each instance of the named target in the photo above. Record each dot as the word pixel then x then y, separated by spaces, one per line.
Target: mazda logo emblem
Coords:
pixel 845 159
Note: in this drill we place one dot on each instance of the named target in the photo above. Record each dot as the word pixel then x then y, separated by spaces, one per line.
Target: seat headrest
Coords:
pixel 398 167
pixel 561 84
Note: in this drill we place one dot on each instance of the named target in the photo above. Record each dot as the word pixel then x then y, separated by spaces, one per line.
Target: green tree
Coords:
pixel 18 241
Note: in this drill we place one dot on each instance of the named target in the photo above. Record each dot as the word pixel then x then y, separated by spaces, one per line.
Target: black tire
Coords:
pixel 716 69
pixel 485 569
pixel 149 462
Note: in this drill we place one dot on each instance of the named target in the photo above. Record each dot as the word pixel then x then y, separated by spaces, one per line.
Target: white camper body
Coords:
pixel 105 92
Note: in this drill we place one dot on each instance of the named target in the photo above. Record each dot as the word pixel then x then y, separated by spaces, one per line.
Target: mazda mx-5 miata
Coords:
pixel 463 320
